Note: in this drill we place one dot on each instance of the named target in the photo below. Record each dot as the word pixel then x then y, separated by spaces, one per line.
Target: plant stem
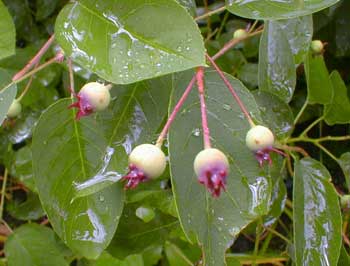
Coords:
pixel 200 84
pixel 301 112
pixel 71 77
pixel 273 231
pixel 326 151
pixel 3 192
pixel 233 42
pixel 35 60
pixel 55 59
pixel 257 240
pixel 233 92
pixel 295 148
pixel 25 89
pixel 210 13
pixel 311 126
pixel 172 116
pixel 253 26
pixel 327 138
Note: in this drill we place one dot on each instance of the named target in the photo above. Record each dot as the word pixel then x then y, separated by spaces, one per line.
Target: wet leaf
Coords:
pixel 276 9
pixel 78 151
pixel 299 35
pixel 33 245
pixel 276 62
pixel 127 41
pixel 344 258
pixel 6 96
pixel 317 216
pixel 275 113
pixel 134 235
pixel 338 111
pixel 30 209
pixel 7 33
pixel 216 222
pixel 319 85
pixel 22 167
pixel 344 162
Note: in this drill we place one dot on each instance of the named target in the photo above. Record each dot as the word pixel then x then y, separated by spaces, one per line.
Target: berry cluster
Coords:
pixel 148 161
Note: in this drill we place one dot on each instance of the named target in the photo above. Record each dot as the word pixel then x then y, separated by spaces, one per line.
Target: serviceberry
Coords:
pixel 92 97
pixel 240 33
pixel 146 161
pixel 317 46
pixel 15 109
pixel 211 167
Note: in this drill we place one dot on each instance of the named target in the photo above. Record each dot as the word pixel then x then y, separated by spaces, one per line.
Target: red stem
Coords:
pixel 172 116
pixel 35 59
pixel 233 92
pixel 200 84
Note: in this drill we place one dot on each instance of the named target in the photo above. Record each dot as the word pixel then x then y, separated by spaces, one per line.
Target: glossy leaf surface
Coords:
pixel 6 96
pixel 319 85
pixel 276 62
pixel 92 149
pixel 7 33
pixel 344 162
pixel 33 245
pixel 215 222
pixel 275 113
pixel 276 9
pixel 338 111
pixel 317 216
pixel 127 41
pixel 299 35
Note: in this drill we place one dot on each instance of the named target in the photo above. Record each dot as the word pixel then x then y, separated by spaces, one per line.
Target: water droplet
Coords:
pixel 101 198
pixel 226 107
pixel 196 132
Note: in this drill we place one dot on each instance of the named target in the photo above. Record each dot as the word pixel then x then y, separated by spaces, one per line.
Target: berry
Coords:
pixel 317 46
pixel 259 138
pixel 345 201
pixel 146 161
pixel 15 109
pixel 92 97
pixel 211 167
pixel 240 33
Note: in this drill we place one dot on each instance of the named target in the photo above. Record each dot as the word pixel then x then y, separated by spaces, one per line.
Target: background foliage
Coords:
pixel 62 201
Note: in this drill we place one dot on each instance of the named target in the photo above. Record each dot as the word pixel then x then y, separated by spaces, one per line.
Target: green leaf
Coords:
pixel 276 9
pixel 175 256
pixel 78 151
pixel 45 8
pixel 319 85
pixel 107 259
pixel 275 113
pixel 338 111
pixel 248 74
pixel 215 223
pixel 22 167
pixel 7 33
pixel 299 35
pixel 317 217
pixel 30 209
pixel 134 235
pixel 277 73
pixel 190 6
pixel 344 258
pixel 127 41
pixel 6 96
pixel 33 245
pixel 344 162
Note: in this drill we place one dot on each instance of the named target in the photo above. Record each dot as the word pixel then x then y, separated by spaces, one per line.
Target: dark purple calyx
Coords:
pixel 134 177
pixel 83 105
pixel 214 178
pixel 263 155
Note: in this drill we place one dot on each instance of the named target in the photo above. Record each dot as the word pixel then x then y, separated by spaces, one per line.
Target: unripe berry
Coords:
pixel 317 46
pixel 15 109
pixel 240 33
pixel 146 161
pixel 259 138
pixel 92 97
pixel 345 201
pixel 149 159
pixel 211 167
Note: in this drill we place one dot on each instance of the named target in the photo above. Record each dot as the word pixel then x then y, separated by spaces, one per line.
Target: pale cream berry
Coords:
pixel 15 109
pixel 317 46
pixel 209 157
pixel 240 33
pixel 259 138
pixel 149 159
pixel 97 95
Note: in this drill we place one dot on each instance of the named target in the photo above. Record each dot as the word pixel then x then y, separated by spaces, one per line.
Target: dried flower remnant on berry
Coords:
pixel 211 167
pixel 92 97
pixel 146 162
